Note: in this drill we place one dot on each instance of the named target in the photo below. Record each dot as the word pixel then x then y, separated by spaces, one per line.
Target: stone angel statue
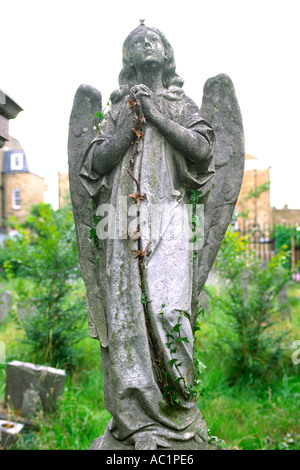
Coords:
pixel 130 187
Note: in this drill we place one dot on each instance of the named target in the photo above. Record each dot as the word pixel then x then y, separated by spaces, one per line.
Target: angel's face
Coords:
pixel 146 47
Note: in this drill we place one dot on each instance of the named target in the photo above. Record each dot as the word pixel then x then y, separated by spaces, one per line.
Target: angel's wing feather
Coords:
pixel 87 102
pixel 221 109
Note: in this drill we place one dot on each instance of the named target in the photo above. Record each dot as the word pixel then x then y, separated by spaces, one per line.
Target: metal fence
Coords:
pixel 262 241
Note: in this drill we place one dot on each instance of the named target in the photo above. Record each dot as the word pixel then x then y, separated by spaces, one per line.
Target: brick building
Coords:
pixel 286 216
pixel 20 188
pixel 63 189
pixel 256 210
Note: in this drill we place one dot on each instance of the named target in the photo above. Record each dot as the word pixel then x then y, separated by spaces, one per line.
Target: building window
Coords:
pixel 16 199
pixel 16 161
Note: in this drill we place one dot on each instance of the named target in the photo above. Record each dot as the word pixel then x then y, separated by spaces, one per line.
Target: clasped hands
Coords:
pixel 143 96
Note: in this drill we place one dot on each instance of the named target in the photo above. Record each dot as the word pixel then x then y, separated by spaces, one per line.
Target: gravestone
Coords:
pixel 9 433
pixel 25 380
pixel 5 304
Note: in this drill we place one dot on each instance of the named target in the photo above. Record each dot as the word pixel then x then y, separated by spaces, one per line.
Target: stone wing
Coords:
pixel 221 109
pixel 87 102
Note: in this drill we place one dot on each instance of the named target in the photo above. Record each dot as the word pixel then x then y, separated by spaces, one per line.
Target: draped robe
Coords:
pixel 136 330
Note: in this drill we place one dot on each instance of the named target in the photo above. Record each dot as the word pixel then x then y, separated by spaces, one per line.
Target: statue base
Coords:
pixel 108 442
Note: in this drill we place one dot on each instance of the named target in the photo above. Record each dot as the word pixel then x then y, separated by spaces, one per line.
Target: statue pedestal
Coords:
pixel 110 443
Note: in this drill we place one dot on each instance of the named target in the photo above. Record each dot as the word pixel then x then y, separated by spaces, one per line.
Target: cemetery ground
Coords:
pixel 246 415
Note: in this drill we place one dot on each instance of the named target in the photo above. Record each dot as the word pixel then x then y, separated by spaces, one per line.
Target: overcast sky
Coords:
pixel 49 48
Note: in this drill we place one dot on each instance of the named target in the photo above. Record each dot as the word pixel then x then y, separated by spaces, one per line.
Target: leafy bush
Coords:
pixel 248 304
pixel 283 236
pixel 52 314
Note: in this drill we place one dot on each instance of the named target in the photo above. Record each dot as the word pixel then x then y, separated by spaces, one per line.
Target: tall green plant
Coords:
pixel 52 316
pixel 248 304
pixel 283 237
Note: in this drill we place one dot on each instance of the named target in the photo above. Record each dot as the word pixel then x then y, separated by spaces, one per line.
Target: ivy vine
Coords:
pixel 173 336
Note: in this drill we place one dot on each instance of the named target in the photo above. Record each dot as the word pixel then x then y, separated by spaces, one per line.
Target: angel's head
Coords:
pixel 163 52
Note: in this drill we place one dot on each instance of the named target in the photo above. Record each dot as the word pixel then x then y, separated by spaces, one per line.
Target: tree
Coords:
pixel 45 251
pixel 249 304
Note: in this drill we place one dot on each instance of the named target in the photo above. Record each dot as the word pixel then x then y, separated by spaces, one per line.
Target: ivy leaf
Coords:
pixel 176 328
pixel 168 335
pixel 94 205
pixel 172 362
pixel 139 133
pixel 167 390
pixel 185 315
pixel 133 104
pixel 93 233
pixel 178 379
pixel 96 219
pixel 197 327
pixel 175 401
pixel 201 311
pixel 138 253
pixel 138 197
pixel 196 221
pixel 185 340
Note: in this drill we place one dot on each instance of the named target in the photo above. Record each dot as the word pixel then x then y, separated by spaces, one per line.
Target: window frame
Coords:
pixel 16 197
pixel 13 164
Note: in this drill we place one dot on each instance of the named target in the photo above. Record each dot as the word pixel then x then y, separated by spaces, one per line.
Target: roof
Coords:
pixel 250 157
pixel 13 146
pixel 7 162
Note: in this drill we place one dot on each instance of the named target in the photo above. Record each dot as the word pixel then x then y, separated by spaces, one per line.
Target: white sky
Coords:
pixel 49 48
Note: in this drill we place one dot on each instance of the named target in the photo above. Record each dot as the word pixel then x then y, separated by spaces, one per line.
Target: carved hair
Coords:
pixel 128 76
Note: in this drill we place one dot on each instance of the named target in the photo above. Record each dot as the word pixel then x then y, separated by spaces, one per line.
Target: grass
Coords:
pixel 249 419
pixel 257 416
pixel 81 416
pixel 80 419
pixel 246 417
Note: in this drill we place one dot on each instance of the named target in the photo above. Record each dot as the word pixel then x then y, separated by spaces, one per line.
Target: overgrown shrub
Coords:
pixel 248 306
pixel 53 313
pixel 283 237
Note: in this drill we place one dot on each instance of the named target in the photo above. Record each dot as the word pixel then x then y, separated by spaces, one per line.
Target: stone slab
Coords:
pixel 9 432
pixel 23 376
